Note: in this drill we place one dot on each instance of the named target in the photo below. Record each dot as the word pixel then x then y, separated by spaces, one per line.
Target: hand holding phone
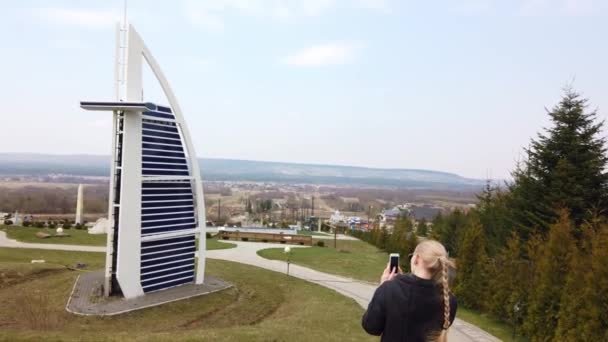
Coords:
pixel 394 262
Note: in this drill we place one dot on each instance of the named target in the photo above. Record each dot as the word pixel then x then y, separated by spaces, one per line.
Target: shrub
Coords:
pixel 27 223
pixel 8 222
pixel 244 239
pixel 52 224
pixel 208 235
pixel 66 225
pixel 320 244
pixel 39 224
pixel 78 226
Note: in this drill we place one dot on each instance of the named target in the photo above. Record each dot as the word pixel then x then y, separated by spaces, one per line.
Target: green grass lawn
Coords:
pixel 262 306
pixel 215 244
pixel 354 259
pixel 78 237
pixel 309 233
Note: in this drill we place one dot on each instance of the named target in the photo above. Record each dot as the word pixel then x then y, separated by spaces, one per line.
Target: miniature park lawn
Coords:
pixel 77 237
pixel 262 306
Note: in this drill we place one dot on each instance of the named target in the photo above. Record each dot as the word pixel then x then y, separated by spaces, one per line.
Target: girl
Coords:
pixel 417 306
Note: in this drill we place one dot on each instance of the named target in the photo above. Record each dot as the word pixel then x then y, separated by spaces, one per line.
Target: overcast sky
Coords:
pixel 457 86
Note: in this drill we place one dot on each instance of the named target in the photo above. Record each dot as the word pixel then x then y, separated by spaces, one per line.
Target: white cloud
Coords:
pixel 578 7
pixel 473 7
pixel 100 19
pixel 378 5
pixel 327 54
pixel 563 7
pixel 210 14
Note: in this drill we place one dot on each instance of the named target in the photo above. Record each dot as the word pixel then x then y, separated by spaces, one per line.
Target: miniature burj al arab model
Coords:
pixel 156 204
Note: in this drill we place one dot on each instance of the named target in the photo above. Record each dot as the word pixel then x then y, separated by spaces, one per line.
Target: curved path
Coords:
pixel 246 253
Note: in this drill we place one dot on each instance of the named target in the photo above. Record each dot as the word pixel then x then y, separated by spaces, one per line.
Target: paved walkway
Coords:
pixel 246 253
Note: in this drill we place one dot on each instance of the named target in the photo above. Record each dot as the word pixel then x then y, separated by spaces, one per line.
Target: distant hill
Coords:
pixel 246 170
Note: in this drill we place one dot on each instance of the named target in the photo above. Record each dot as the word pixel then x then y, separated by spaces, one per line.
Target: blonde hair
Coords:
pixel 435 259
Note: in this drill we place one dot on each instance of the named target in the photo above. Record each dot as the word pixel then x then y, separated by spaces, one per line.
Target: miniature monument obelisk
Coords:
pixel 79 205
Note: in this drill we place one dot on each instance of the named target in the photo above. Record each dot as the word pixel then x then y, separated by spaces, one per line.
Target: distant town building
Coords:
pixel 337 217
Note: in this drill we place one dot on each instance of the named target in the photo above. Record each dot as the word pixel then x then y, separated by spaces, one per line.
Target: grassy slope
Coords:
pixel 354 259
pixel 263 306
pixel 78 237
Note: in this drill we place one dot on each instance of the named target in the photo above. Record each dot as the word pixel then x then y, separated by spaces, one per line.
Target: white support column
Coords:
pixel 128 267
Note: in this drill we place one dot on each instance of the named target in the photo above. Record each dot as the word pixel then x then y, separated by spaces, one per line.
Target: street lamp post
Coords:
pixel 516 309
pixel 288 253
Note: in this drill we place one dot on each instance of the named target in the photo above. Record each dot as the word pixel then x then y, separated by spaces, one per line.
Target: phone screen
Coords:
pixel 394 262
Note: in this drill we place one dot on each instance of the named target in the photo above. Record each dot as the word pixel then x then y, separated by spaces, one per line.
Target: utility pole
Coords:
pixel 335 237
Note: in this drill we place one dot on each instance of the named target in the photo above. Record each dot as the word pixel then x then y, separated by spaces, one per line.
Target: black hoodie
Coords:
pixel 407 308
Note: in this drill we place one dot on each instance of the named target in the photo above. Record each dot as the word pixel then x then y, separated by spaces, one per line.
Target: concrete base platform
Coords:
pixel 87 296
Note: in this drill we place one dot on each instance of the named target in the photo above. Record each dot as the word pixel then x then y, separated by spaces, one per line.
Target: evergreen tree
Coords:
pixel 493 214
pixel 422 228
pixel 551 271
pixel 565 168
pixel 575 301
pixel 508 274
pixel 472 263
pixel 595 325
pixel 449 229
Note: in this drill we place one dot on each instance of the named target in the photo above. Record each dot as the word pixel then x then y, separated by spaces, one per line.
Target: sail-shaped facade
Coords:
pixel 156 205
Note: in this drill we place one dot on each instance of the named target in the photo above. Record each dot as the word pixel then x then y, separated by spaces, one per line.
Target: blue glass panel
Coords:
pixel 164 173
pixel 168 272
pixel 149 231
pixel 166 191
pixel 172 276
pixel 162 147
pixel 168 285
pixel 166 241
pixel 145 257
pixel 169 259
pixel 164 267
pixel 160 134
pixel 163 160
pixel 163 154
pixel 166 204
pixel 161 141
pixel 168 247
pixel 163 109
pixel 167 216
pixel 166 223
pixel 160 127
pixel 164 166
pixel 159 115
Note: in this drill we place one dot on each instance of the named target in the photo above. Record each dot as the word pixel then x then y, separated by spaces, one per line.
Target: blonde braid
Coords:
pixel 446 294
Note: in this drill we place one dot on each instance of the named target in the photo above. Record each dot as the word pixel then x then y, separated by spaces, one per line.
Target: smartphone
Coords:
pixel 394 262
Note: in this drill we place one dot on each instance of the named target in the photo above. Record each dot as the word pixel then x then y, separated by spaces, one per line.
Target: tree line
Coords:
pixel 534 251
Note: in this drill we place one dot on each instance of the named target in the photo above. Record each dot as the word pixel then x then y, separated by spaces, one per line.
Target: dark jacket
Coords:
pixel 407 308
